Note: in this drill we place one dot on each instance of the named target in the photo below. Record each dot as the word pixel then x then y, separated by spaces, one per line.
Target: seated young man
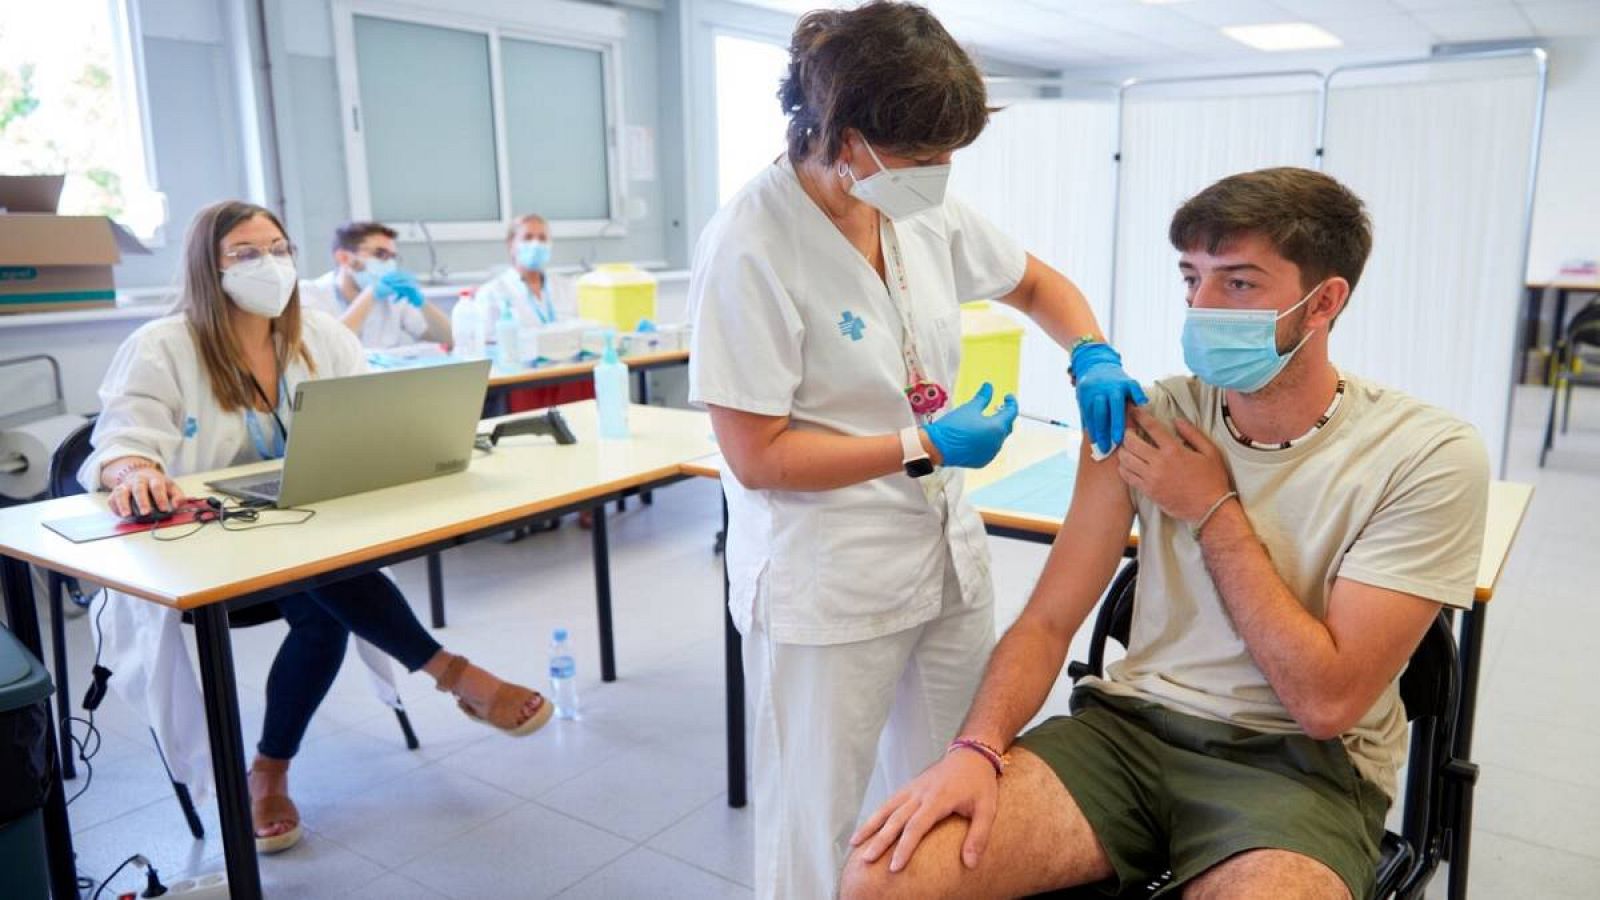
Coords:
pixel 1299 529
pixel 368 291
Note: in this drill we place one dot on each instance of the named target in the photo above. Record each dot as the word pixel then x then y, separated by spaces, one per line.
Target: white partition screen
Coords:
pixel 1435 313
pixel 1176 140
pixel 1042 173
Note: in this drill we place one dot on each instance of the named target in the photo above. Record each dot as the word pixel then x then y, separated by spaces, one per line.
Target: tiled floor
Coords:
pixel 630 802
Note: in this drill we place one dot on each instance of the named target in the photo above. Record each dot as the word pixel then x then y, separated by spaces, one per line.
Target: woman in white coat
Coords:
pixel 825 298
pixel 208 388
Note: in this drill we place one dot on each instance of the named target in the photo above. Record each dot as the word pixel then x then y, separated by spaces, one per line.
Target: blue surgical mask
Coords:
pixel 1237 349
pixel 533 255
pixel 372 270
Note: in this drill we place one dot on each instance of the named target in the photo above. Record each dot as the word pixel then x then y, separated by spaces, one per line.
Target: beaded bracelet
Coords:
pixel 1194 530
pixel 995 757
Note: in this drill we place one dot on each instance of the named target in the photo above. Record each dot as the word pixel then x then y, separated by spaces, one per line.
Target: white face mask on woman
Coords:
pixel 900 193
pixel 261 286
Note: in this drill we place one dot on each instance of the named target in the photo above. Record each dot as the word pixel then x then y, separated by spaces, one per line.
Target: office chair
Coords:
pixel 1568 366
pixel 1438 786
pixel 64 465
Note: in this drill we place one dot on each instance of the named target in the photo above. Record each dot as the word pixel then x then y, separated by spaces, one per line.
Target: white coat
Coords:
pixel 553 305
pixel 156 403
pixel 388 324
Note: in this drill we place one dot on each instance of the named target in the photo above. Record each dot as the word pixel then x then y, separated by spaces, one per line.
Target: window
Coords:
pixel 750 122
pixel 456 125
pixel 71 102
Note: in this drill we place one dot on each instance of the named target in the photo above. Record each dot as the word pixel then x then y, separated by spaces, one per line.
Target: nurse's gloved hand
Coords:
pixel 966 437
pixel 399 286
pixel 1104 391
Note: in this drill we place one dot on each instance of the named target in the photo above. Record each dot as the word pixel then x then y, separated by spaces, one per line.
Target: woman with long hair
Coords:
pixel 208 388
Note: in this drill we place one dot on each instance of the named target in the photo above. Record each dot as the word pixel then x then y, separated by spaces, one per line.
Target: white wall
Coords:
pixel 1565 223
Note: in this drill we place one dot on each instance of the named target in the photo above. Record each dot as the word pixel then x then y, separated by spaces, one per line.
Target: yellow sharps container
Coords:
pixel 991 350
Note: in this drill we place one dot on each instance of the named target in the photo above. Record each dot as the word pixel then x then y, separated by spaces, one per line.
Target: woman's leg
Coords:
pixel 302 672
pixel 818 713
pixel 372 608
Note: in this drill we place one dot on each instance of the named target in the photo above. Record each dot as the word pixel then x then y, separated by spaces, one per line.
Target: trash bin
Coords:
pixel 25 769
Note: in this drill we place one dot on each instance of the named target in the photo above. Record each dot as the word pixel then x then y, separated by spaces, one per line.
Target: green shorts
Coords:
pixel 1167 791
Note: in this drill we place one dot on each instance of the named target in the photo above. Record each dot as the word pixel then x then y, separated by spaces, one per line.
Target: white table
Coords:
pixel 524 479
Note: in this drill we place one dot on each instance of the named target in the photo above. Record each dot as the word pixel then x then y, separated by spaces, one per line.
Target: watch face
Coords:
pixel 917 468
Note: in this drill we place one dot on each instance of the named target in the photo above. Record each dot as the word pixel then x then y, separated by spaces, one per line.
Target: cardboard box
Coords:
pixel 60 262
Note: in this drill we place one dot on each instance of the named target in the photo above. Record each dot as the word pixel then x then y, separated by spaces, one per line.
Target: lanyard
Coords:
pixel 926 396
pixel 543 307
pixel 274 447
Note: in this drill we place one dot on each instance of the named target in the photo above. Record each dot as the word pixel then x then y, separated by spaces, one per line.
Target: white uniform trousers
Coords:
pixel 822 713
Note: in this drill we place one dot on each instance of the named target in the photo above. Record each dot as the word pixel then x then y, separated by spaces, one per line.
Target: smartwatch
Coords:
pixel 912 456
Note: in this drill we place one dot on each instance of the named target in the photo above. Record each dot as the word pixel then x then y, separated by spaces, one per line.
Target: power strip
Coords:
pixel 211 886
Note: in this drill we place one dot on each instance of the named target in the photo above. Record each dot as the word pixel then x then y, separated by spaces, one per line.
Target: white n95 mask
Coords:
pixel 900 193
pixel 261 286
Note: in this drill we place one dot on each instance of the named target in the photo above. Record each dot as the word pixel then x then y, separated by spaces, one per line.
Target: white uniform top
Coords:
pixel 790 320
pixel 388 323
pixel 156 402
pixel 532 311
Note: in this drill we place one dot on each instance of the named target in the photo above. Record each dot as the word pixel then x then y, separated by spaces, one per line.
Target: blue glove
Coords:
pixel 1104 390
pixel 966 437
pixel 399 286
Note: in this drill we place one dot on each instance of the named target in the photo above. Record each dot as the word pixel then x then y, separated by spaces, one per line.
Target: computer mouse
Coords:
pixel 156 514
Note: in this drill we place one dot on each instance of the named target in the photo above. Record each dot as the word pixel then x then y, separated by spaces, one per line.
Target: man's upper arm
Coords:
pixel 1085 553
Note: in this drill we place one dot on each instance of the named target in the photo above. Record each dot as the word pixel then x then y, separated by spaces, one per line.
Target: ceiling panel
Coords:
pixel 1476 24
pixel 1077 34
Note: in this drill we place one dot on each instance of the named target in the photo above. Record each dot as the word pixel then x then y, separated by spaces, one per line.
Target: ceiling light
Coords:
pixel 1283 36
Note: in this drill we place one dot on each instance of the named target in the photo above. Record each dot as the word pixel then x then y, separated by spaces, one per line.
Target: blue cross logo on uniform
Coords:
pixel 851 326
pixel 190 427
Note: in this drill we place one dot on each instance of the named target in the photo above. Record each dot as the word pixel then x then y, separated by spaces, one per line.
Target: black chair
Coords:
pixel 1438 786
pixel 1568 370
pixel 64 465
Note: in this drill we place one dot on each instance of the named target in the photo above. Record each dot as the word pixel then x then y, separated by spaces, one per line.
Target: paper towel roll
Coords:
pixel 33 443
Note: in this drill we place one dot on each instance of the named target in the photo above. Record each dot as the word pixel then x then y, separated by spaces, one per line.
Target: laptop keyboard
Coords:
pixel 266 487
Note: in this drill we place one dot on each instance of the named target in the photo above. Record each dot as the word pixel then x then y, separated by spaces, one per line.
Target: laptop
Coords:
pixel 366 432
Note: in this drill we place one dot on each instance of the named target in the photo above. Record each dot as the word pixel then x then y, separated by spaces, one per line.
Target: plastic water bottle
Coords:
pixel 466 328
pixel 611 392
pixel 507 341
pixel 563 677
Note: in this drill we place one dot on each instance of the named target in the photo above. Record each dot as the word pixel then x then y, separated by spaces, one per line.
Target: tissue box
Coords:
pixel 665 339
pixel 618 295
pixel 558 342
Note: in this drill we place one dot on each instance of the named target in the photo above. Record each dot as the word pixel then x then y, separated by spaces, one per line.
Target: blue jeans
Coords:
pixel 320 624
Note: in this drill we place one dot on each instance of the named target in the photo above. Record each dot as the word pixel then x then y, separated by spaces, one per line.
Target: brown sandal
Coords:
pixel 274 808
pixel 505 707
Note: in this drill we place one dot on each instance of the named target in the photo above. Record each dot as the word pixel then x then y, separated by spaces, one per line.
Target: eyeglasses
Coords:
pixel 383 253
pixel 251 253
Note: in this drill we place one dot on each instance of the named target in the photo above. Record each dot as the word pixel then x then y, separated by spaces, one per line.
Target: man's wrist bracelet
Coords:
pixel 1194 530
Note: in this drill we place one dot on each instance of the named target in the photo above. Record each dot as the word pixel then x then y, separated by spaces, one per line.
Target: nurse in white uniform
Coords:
pixel 526 285
pixel 209 388
pixel 825 298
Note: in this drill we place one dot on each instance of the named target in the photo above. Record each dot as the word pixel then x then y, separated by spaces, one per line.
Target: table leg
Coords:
pixel 1558 328
pixel 23 617
pixel 227 750
pixel 733 667
pixel 58 649
pixel 436 589
pixel 1472 625
pixel 602 593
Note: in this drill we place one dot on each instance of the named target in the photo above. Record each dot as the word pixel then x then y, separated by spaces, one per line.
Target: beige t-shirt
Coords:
pixel 1390 492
